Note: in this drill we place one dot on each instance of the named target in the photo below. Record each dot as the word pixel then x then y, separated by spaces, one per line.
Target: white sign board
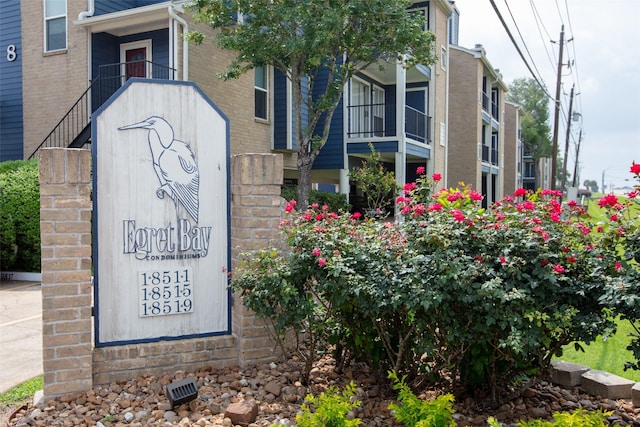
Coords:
pixel 161 214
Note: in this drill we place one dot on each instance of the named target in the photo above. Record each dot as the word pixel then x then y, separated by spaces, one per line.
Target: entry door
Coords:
pixel 136 59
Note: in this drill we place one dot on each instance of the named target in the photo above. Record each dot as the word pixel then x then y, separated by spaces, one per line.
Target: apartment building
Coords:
pixel 77 53
pixel 402 113
pixel 65 58
pixel 476 123
pixel 513 149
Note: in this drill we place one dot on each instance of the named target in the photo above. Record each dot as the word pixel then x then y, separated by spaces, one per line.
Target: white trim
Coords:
pixel 46 18
pixel 265 90
pixel 124 47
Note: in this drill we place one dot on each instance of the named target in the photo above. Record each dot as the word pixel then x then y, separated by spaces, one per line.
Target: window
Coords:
pixel 55 25
pixel 261 93
pixel 366 108
pixel 443 57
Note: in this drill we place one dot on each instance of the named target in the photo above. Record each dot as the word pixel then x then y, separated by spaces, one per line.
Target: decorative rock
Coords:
pixel 537 412
pixel 242 412
pixel 273 388
pixel 600 383
pixel 567 374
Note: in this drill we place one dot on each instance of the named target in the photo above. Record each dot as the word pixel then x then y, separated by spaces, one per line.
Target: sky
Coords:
pixel 604 53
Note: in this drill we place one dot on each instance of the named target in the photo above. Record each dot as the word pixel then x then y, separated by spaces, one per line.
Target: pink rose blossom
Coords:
pixel 316 252
pixel 436 177
pixel 457 215
pixel 558 268
pixel 322 262
pixel 420 170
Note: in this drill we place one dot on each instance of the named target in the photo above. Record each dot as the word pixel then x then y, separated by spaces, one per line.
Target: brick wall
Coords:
pixel 256 208
pixel 465 122
pixel 52 82
pixel 65 227
pixel 71 364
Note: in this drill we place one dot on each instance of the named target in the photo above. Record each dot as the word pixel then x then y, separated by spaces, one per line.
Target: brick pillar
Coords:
pixel 256 209
pixel 65 228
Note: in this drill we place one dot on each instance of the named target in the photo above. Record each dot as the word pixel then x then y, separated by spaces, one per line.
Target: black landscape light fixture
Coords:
pixel 182 391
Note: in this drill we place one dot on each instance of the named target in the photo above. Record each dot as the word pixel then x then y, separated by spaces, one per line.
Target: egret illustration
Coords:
pixel 174 163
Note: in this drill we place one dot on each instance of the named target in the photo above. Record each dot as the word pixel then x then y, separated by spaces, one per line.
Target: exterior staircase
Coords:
pixel 74 129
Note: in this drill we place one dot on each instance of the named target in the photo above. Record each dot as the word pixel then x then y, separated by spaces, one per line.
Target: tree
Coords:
pixel 307 40
pixel 535 120
pixel 591 185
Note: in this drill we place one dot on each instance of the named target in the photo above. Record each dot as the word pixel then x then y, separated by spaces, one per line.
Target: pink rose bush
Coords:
pixel 481 295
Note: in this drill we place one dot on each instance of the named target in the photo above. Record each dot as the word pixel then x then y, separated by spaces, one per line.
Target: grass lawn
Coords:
pixel 609 355
pixel 22 393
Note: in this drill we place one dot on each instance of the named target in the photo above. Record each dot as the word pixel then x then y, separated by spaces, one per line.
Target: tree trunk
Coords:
pixel 304 180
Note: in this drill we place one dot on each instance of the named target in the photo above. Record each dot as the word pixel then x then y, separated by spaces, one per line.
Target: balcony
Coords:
pixel 489 155
pixel 377 121
pixel 490 106
pixel 112 76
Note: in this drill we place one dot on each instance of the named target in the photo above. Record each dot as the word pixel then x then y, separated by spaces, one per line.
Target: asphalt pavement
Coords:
pixel 20 333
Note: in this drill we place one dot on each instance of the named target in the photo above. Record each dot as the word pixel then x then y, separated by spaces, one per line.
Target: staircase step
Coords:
pixel 567 374
pixel 604 384
pixel 635 392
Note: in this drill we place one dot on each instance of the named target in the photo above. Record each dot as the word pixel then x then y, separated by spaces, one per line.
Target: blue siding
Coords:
pixel 419 151
pixel 159 44
pixel 332 154
pixel 11 113
pixel 106 48
pixel 109 6
pixel 380 147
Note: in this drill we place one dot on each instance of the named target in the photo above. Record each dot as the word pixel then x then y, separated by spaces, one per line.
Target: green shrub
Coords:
pixel 577 418
pixel 330 409
pixel 414 412
pixel 482 295
pixel 337 202
pixel 19 216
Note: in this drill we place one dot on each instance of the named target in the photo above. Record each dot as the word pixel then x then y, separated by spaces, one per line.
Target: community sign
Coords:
pixel 161 214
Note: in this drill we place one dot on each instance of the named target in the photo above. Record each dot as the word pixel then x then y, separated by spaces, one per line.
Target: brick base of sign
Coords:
pixel 124 362
pixel 70 361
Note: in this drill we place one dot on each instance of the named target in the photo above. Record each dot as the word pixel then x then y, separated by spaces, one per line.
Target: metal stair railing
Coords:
pixel 74 129
pixel 72 124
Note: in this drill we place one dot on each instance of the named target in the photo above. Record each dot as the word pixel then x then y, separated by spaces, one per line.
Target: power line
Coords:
pixel 515 44
pixel 540 23
pixel 521 38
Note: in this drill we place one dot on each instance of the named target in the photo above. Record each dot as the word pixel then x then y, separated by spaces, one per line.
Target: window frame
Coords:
pixel 444 58
pixel 264 90
pixel 47 20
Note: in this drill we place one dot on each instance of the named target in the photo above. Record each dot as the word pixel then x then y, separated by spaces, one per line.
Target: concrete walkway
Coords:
pixel 20 333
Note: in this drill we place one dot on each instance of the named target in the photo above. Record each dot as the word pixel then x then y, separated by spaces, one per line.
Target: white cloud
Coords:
pixel 607 65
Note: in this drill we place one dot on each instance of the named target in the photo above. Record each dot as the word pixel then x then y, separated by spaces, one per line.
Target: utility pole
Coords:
pixel 566 144
pixel 554 159
pixel 575 166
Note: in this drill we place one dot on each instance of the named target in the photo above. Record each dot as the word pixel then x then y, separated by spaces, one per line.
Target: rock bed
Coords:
pixel 277 389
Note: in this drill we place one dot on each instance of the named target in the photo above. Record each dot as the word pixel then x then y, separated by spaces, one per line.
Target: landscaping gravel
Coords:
pixel 277 390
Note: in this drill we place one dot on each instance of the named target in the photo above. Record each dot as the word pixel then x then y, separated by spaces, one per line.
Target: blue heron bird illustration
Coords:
pixel 174 163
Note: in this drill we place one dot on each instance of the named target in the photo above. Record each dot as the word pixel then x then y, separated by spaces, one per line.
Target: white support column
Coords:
pixel 401 154
pixel 344 182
